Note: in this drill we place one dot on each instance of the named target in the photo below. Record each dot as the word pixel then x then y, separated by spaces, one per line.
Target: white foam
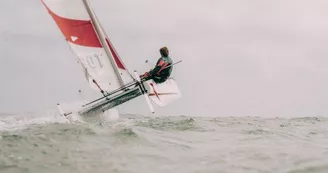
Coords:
pixel 23 120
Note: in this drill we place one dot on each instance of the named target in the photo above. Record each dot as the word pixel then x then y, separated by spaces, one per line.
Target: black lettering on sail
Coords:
pixel 93 61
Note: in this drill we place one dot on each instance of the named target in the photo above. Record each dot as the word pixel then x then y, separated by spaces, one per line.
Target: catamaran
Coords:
pixel 103 68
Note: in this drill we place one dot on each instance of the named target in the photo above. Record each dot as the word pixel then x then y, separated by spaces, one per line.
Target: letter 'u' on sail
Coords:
pixel 89 42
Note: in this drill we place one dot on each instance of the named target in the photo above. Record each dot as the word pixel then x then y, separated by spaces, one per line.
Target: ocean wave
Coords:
pixel 169 123
pixel 161 144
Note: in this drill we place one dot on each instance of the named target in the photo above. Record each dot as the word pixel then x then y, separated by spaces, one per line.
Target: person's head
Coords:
pixel 164 51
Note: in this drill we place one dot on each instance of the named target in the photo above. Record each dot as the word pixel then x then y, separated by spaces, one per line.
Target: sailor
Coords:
pixel 163 68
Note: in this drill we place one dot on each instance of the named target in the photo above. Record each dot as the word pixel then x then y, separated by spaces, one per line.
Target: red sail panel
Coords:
pixel 116 58
pixel 80 32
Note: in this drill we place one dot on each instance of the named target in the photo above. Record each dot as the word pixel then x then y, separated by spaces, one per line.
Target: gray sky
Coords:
pixel 240 57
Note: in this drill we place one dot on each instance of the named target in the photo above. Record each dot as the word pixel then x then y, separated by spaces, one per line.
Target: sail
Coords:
pixel 89 42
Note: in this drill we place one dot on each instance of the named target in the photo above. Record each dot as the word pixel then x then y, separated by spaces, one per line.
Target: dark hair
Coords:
pixel 164 51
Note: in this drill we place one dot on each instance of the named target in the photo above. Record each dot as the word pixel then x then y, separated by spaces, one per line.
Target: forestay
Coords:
pixel 89 43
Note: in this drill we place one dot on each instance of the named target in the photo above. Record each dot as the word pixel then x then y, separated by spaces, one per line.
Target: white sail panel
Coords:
pixel 75 23
pixel 96 67
pixel 69 9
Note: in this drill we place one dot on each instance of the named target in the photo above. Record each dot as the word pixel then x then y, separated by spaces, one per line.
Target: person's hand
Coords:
pixel 145 75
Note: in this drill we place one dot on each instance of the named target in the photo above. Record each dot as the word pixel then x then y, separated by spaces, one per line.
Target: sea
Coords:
pixel 51 143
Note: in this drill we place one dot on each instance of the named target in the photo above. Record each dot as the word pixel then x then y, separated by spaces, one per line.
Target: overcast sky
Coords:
pixel 240 57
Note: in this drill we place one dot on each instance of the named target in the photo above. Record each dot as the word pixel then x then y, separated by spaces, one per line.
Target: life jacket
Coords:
pixel 160 73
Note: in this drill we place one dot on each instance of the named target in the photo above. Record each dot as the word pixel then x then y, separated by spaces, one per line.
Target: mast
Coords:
pixel 101 36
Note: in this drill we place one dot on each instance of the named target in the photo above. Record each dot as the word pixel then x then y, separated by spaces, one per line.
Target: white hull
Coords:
pixel 161 94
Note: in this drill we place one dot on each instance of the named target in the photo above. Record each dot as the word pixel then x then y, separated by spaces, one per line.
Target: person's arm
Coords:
pixel 157 68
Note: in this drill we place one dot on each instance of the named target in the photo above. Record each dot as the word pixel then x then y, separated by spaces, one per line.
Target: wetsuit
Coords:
pixel 160 73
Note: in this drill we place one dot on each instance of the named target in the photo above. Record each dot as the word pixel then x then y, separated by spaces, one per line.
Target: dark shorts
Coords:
pixel 157 79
